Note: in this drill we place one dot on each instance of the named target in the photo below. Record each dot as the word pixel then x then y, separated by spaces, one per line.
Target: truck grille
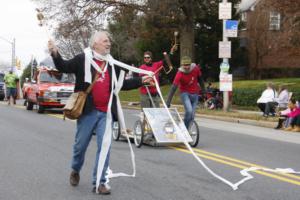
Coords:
pixel 63 94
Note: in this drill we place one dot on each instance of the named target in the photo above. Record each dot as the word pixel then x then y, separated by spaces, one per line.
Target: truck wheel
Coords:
pixel 40 109
pixel 29 105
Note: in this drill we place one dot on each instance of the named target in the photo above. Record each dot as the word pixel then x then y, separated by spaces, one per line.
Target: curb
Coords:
pixel 240 121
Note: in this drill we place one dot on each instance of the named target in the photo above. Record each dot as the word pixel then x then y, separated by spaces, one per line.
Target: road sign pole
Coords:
pixel 225 60
pixel 225 11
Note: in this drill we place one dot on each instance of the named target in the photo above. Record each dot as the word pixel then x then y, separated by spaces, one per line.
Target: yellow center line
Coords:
pixel 241 167
pixel 243 162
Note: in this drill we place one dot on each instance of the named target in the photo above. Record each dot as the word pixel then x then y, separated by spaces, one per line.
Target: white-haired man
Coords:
pixel 95 110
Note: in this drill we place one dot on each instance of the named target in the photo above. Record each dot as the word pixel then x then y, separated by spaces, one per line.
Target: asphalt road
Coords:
pixel 35 153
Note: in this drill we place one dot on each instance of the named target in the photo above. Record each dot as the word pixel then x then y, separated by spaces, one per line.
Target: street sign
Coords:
pixel 225 49
pixel 224 67
pixel 162 127
pixel 225 82
pixel 231 28
pixel 225 10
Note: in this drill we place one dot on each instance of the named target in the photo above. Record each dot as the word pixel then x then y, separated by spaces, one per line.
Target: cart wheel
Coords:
pixel 116 131
pixel 194 133
pixel 138 133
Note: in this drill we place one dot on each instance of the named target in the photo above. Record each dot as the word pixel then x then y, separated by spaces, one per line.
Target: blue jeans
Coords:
pixel 190 102
pixel 11 92
pixel 87 124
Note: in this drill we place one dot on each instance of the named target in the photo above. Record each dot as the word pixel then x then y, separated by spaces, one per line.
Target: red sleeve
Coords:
pixel 177 78
pixel 141 67
pixel 157 65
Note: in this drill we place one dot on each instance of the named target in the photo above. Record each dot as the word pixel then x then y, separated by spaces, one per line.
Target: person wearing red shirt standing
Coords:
pixel 150 66
pixel 154 67
pixel 189 80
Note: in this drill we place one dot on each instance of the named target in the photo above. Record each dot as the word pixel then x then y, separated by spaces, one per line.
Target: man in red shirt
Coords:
pixel 96 110
pixel 150 66
pixel 188 79
pixel 154 67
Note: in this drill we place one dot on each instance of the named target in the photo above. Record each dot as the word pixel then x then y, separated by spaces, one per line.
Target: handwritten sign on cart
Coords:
pixel 163 128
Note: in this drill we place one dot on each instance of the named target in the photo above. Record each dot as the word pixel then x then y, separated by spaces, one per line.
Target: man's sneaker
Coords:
pixel 74 178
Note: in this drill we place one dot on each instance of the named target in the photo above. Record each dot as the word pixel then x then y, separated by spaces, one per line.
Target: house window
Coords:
pixel 244 17
pixel 274 21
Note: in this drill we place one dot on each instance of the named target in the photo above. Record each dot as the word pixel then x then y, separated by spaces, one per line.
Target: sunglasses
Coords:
pixel 147 57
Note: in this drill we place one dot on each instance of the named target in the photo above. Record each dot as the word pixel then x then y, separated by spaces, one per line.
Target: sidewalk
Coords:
pixel 262 122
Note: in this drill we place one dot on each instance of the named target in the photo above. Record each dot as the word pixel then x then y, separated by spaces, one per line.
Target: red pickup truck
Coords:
pixel 49 89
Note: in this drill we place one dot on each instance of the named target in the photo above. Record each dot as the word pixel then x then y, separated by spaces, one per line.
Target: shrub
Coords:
pixel 245 96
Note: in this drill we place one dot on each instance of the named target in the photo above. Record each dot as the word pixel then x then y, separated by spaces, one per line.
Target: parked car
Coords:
pixel 2 85
pixel 49 89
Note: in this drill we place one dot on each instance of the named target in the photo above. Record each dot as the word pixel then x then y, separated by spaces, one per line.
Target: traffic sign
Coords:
pixel 224 67
pixel 225 82
pixel 231 28
pixel 225 49
pixel 225 10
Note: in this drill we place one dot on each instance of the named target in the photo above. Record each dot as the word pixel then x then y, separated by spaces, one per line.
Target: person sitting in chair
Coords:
pixel 266 102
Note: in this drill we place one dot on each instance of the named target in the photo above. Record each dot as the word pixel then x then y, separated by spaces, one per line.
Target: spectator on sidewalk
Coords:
pixel 283 97
pixel 295 123
pixel 284 121
pixel 266 101
pixel 11 81
pixel 291 117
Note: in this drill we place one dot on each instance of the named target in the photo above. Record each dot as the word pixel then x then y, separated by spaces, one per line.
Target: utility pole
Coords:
pixel 225 60
pixel 13 51
pixel 225 12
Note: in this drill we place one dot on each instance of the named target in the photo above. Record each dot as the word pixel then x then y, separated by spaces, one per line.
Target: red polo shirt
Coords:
pixel 101 90
pixel 155 66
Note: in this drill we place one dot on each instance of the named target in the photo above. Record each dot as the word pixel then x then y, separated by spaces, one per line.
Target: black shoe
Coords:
pixel 102 189
pixel 74 178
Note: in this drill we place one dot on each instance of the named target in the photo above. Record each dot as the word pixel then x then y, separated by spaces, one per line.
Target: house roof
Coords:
pixel 246 5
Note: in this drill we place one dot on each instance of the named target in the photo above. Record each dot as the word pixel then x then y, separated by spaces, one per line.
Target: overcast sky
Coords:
pixel 18 20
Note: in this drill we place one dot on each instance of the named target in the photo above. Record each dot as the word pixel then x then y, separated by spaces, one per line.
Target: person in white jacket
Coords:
pixel 283 97
pixel 267 100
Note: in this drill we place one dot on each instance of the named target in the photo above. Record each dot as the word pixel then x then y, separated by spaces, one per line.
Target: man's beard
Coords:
pixel 107 51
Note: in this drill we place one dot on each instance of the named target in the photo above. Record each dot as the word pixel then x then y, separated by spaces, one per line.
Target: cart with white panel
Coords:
pixel 156 128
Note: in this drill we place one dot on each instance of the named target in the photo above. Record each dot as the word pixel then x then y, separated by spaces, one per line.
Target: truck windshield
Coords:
pixel 1 77
pixel 56 77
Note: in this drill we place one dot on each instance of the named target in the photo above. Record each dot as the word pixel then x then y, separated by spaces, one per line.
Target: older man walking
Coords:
pixel 94 116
